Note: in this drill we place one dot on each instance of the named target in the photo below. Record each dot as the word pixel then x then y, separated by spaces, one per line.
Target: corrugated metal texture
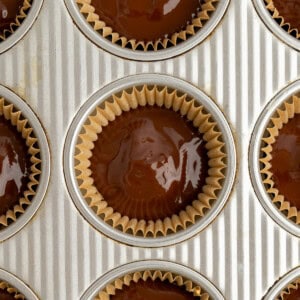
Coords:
pixel 55 69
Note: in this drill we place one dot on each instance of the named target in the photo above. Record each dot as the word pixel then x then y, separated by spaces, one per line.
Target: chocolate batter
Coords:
pixel 150 163
pixel 9 9
pixel 147 20
pixel 286 161
pixel 295 295
pixel 14 166
pixel 290 11
pixel 149 290
pixel 5 295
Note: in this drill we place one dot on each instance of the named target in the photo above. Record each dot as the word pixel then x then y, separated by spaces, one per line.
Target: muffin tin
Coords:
pixel 60 69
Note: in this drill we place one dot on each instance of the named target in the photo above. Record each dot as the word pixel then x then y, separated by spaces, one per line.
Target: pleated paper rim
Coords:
pixel 9 112
pixel 88 10
pixel 282 23
pixel 281 117
pixel 126 280
pixel 17 22
pixel 295 285
pixel 11 290
pixel 132 99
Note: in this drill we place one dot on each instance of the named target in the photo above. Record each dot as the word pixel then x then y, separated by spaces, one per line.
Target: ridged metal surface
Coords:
pixel 56 69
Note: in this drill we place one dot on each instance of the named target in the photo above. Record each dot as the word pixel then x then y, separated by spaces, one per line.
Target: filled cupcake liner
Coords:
pixel 126 280
pixel 169 99
pixel 4 286
pixel 9 112
pixel 18 20
pixel 290 287
pixel 281 117
pixel 282 23
pixel 87 9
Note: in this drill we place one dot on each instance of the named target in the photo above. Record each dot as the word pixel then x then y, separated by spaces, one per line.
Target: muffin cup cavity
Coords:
pixel 133 99
pixel 11 113
pixel 281 117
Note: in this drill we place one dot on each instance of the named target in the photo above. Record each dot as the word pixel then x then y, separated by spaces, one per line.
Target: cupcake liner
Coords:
pixel 22 125
pixel 162 97
pixel 282 23
pixel 118 284
pixel 18 21
pixel 11 290
pixel 87 9
pixel 287 291
pixel 283 114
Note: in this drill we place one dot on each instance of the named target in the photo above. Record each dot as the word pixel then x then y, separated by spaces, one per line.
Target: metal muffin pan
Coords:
pixel 255 152
pixel 114 88
pixel 30 211
pixel 159 265
pixel 23 29
pixel 15 282
pixel 55 68
pixel 181 48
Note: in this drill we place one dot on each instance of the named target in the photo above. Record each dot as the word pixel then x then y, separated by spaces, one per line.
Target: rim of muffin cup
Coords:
pixel 286 284
pixel 276 24
pixel 274 116
pixel 166 271
pixel 15 286
pixel 84 132
pixel 21 25
pixel 14 110
pixel 96 30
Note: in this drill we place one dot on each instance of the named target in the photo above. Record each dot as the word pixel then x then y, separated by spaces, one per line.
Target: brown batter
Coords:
pixel 150 290
pixel 14 166
pixel 147 20
pixel 286 161
pixel 5 295
pixel 150 163
pixel 290 11
pixel 9 9
pixel 295 295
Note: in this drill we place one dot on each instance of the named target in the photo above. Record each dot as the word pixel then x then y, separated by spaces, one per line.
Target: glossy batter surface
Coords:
pixel 14 166
pixel 295 295
pixel 9 9
pixel 152 290
pixel 147 20
pixel 290 11
pixel 286 161
pixel 150 163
